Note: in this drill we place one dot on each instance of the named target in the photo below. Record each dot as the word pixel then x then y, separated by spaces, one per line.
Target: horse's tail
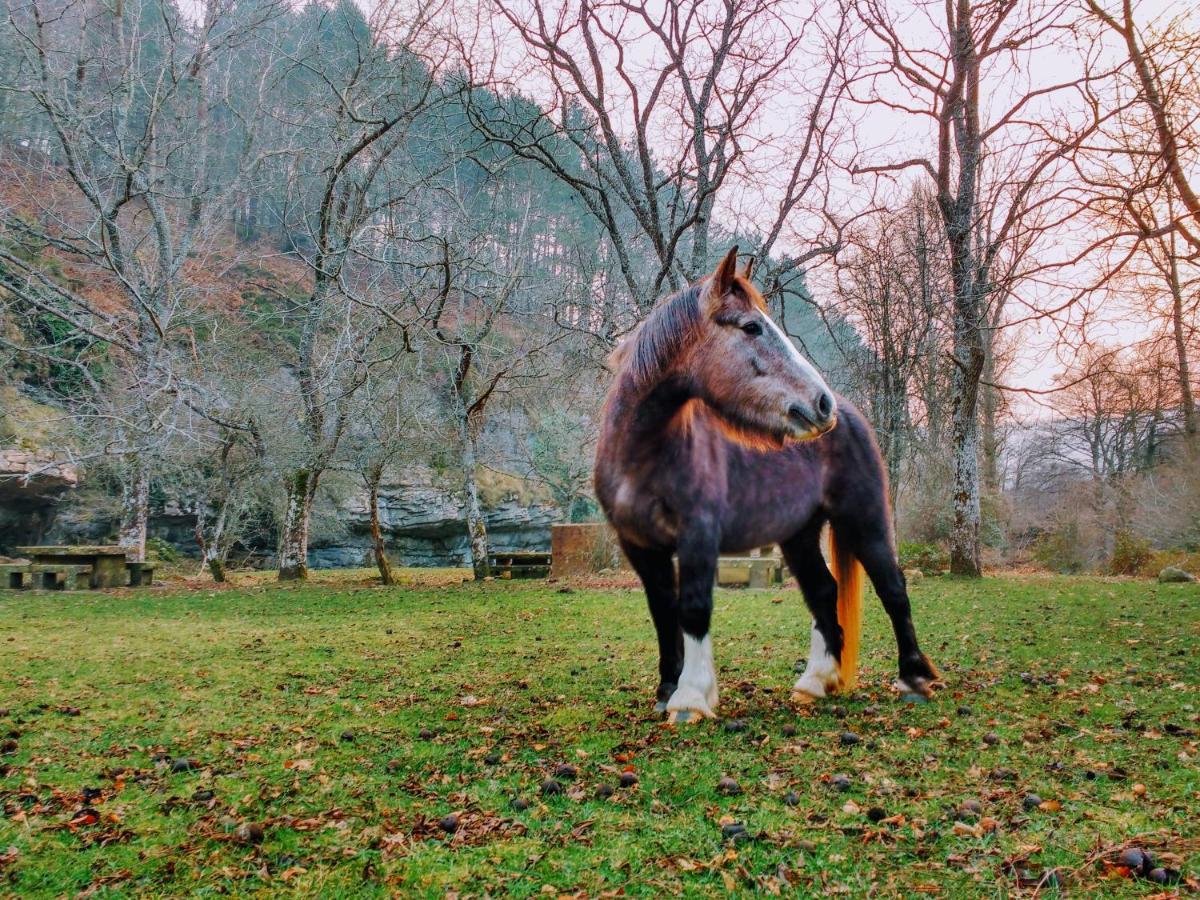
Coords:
pixel 849 573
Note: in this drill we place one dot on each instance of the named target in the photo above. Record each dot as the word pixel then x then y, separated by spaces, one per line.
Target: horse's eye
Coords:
pixel 752 328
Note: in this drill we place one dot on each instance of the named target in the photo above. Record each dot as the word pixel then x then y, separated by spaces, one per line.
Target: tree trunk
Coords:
pixel 381 560
pixel 476 523
pixel 1186 397
pixel 212 550
pixel 964 540
pixel 989 409
pixel 969 360
pixel 293 541
pixel 135 512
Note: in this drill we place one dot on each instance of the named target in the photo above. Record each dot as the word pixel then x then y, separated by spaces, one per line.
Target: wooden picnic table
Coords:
pixel 107 561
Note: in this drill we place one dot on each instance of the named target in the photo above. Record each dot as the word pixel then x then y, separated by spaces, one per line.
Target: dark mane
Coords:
pixel 669 328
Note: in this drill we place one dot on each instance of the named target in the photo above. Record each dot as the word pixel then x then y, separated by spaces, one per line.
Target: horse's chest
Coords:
pixel 643 515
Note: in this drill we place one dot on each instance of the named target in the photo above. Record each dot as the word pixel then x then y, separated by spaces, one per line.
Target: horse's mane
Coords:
pixel 671 326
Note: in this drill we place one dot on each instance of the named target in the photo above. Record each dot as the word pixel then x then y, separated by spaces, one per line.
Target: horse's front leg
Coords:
pixel 657 572
pixel 696 696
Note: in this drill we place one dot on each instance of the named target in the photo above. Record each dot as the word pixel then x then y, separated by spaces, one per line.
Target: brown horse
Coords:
pixel 718 436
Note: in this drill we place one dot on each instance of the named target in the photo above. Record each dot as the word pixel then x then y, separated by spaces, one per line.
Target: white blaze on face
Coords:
pixel 697 690
pixel 807 369
pixel 821 674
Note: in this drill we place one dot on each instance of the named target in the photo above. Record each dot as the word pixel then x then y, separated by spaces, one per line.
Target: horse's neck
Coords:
pixel 640 420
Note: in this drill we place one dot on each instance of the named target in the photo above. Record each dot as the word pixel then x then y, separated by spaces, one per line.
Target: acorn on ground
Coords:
pixel 729 787
pixel 250 833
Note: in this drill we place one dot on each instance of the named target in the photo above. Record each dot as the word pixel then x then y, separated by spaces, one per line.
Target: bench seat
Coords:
pixel 752 571
pixel 59 576
pixel 12 575
pixel 141 573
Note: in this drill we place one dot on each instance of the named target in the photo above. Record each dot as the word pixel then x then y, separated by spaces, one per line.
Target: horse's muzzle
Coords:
pixel 815 419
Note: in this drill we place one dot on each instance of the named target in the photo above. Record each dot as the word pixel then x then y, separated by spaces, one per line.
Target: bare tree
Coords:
pixel 116 184
pixel 1168 86
pixel 485 319
pixel 658 114
pixel 996 171
pixel 349 174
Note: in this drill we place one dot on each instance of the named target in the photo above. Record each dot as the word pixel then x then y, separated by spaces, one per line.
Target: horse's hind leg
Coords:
pixel 657 572
pixel 874 551
pixel 803 555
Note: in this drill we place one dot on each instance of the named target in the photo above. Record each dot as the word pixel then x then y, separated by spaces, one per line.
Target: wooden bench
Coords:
pixel 141 573
pixel 520 564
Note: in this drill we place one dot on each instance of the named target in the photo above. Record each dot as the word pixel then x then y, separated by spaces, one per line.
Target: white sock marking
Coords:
pixel 821 674
pixel 698 683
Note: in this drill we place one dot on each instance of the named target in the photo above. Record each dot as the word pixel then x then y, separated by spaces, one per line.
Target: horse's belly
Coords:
pixel 767 515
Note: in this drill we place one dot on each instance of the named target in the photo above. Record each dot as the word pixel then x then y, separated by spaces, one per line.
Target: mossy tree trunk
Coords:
pixel 476 521
pixel 374 476
pixel 135 513
pixel 300 487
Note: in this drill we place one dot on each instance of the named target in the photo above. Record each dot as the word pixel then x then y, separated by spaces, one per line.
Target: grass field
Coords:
pixel 312 740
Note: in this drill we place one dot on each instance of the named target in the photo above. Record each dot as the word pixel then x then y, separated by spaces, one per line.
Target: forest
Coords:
pixel 262 263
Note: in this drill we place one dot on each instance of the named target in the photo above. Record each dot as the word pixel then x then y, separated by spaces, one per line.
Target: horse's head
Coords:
pixel 746 368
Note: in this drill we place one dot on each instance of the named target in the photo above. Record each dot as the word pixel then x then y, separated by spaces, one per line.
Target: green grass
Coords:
pixel 303 708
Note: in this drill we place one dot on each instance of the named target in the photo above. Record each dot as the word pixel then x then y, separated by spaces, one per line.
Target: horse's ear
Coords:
pixel 749 268
pixel 722 279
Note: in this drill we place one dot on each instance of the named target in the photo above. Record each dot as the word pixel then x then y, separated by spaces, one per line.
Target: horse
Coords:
pixel 718 436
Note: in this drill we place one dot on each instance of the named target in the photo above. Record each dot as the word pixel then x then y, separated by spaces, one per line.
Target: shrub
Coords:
pixel 161 550
pixel 931 559
pixel 1130 554
pixel 1060 550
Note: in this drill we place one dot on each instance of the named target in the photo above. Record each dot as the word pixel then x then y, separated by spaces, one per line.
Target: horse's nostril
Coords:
pixel 825 406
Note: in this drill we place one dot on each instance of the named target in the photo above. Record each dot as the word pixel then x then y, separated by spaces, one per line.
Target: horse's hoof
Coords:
pixel 918 690
pixel 686 716
pixel 660 706
pixel 804 698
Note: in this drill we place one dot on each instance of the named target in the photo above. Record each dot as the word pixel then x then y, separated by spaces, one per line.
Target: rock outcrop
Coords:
pixel 424 522
pixel 31 483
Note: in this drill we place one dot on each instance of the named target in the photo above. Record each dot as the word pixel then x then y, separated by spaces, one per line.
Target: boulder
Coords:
pixel 1175 575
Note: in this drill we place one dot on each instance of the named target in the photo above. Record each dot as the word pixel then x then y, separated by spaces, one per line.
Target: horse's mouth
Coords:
pixel 798 432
